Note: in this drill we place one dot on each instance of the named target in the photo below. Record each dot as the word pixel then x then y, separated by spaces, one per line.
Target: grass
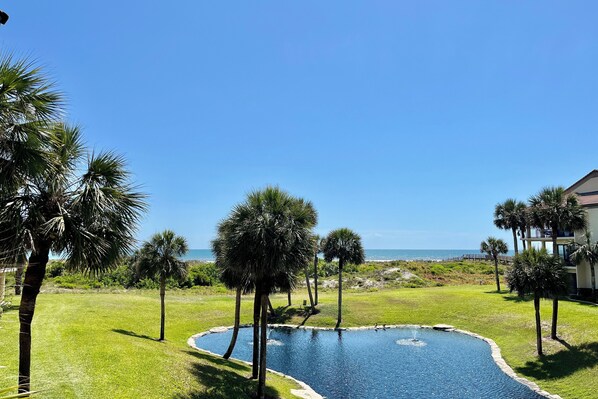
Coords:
pixel 101 345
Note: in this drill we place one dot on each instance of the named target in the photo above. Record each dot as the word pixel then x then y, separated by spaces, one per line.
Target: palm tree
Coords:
pixel 508 216
pixel 269 236
pixel 319 245
pixel 231 281
pixel 29 106
pixel 537 273
pixel 306 271
pixel 90 219
pixel 522 225
pixel 494 247
pixel 588 252
pixel 159 259
pixel 344 245
pixel 552 207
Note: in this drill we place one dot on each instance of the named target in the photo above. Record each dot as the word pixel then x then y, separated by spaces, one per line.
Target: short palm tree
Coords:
pixel 345 245
pixel 508 216
pixel 159 260
pixel 269 235
pixel 494 247
pixel 587 252
pixel 539 274
pixel 90 219
pixel 552 207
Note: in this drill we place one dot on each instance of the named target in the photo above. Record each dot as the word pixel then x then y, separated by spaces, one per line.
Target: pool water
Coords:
pixel 391 363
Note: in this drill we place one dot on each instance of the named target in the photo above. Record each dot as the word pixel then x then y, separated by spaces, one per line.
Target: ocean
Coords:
pixel 371 254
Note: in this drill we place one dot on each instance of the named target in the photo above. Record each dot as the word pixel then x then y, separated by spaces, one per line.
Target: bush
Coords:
pixel 201 274
pixel 55 268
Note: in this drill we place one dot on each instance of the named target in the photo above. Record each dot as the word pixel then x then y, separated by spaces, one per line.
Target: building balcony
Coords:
pixel 545 235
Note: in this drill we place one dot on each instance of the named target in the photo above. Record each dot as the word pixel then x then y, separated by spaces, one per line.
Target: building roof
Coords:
pixel 588 200
pixel 581 181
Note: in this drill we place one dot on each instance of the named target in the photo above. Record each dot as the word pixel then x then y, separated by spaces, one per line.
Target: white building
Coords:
pixel 586 189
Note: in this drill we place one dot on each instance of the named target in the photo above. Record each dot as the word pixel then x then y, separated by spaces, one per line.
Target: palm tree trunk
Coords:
pixel 162 307
pixel 233 339
pixel 555 300
pixel 515 240
pixel 272 311
pixel 19 278
pixel 555 317
pixel 340 292
pixel 593 274
pixel 538 324
pixel 496 274
pixel 34 276
pixel 256 333
pixel 555 247
pixel 289 298
pixel 311 298
pixel 523 239
pixel 316 279
pixel 263 347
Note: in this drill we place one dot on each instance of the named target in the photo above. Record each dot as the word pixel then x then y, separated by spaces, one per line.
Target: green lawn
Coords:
pixel 100 345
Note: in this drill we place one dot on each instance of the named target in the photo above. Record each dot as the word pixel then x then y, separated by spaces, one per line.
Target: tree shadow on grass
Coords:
pixel 517 298
pixel 133 334
pixel 501 292
pixel 222 379
pixel 283 314
pixel 562 363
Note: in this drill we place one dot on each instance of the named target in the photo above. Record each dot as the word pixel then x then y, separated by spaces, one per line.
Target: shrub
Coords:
pixel 55 268
pixel 201 274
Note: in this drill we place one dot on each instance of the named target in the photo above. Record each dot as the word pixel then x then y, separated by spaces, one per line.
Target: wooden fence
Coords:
pixel 501 258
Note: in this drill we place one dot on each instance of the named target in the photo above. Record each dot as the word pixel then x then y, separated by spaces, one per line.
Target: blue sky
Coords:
pixel 406 121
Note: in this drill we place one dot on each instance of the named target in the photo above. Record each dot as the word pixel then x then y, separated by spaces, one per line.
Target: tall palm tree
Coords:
pixel 587 252
pixel 508 216
pixel 494 247
pixel 345 245
pixel 537 273
pixel 306 271
pixel 270 235
pixel 90 219
pixel 159 259
pixel 552 207
pixel 319 246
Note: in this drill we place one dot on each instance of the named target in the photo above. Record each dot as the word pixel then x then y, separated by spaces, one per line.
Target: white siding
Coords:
pixel 588 187
pixel 583 269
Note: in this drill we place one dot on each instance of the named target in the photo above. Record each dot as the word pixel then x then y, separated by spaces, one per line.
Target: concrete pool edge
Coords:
pixel 308 393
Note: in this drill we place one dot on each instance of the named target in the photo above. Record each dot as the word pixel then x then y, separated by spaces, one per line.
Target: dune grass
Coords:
pixel 101 345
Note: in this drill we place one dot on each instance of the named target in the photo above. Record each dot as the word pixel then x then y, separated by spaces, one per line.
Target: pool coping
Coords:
pixel 306 392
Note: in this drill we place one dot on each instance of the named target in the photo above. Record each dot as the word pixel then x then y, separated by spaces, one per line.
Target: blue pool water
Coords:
pixel 381 364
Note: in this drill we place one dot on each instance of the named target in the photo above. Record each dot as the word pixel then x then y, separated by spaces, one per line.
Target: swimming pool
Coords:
pixel 392 363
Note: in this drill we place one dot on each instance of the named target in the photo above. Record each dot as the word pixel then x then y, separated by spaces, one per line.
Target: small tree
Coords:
pixel 159 260
pixel 588 252
pixel 344 245
pixel 539 274
pixel 494 247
